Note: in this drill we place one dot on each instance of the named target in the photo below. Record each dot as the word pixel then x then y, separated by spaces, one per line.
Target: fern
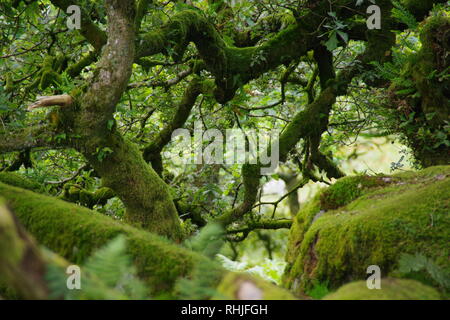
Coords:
pixel 395 72
pixel 388 70
pixel 107 274
pixel 399 59
pixel 56 282
pixel 201 284
pixel 409 263
pixel 109 263
pixel 404 16
pixel 208 241
pixel 270 270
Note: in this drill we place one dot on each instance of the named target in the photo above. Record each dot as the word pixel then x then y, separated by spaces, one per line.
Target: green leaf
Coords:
pixel 343 35
pixel 110 124
pixel 332 42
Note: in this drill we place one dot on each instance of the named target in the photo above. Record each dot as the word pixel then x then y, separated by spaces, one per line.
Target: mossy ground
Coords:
pixel 373 221
pixel 391 289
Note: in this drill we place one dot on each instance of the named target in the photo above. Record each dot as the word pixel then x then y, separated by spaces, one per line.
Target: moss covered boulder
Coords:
pixel 391 289
pixel 370 220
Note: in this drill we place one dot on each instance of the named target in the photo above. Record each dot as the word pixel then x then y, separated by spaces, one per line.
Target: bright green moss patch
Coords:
pixel 18 180
pixel 347 189
pixel 75 193
pixel 391 289
pixel 405 213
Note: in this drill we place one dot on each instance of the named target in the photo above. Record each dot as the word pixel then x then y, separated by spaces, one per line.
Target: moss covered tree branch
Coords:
pixel 93 34
pixel 242 232
pixel 159 262
pixel 233 66
pixel 28 138
pixel 119 162
pixel 312 121
pixel 89 199
pixel 152 152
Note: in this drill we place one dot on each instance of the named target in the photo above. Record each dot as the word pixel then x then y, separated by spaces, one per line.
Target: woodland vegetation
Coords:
pixel 87 176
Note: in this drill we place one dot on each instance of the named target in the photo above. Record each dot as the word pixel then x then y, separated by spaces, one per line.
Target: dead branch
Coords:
pixel 48 101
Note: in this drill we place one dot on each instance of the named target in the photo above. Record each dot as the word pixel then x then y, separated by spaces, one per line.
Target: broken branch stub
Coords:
pixel 48 101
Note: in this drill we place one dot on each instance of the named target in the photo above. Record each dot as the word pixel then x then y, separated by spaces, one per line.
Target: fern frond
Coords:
pixel 208 241
pixel 415 263
pixel 404 16
pixel 109 263
pixel 107 274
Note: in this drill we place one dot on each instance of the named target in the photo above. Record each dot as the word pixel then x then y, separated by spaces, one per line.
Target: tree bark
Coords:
pixel 118 161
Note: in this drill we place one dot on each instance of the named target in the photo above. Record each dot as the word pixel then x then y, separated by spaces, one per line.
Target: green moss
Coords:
pixel 75 193
pixel 391 289
pixel 302 221
pixel 346 190
pixel 12 248
pixel 145 195
pixel 341 193
pixel 423 88
pixel 75 69
pixel 429 174
pixel 406 213
pixel 18 180
pixel 74 232
pixel 233 287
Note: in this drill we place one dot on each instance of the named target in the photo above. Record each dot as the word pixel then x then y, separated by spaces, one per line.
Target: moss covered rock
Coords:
pixel 362 221
pixel 391 289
